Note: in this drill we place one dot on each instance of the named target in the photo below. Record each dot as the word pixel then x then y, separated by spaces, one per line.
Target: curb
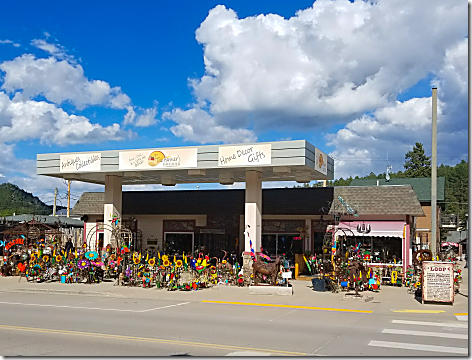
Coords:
pixel 64 292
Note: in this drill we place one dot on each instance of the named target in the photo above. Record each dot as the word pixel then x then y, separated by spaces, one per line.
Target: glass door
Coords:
pixel 178 243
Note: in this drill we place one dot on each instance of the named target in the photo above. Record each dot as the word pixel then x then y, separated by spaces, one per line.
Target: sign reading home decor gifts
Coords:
pixel 438 281
pixel 246 155
pixel 80 162
pixel 158 159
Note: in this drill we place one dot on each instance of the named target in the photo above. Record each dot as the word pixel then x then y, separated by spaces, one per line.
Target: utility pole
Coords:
pixel 68 198
pixel 54 208
pixel 434 154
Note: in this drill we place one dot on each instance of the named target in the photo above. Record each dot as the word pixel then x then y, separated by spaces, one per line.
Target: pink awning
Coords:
pixel 374 228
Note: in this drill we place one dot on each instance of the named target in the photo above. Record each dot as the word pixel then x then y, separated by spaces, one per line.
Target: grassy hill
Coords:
pixel 16 200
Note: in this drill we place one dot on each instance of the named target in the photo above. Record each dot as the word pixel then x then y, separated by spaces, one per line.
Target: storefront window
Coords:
pixel 279 244
pixel 178 243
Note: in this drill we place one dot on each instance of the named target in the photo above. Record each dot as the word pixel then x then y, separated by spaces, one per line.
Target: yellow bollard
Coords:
pixel 296 271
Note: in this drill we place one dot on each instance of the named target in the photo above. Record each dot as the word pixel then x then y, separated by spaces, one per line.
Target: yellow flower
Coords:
pixel 45 258
pixel 136 260
pixel 33 258
pixel 178 263
pixel 223 262
pixel 152 262
pixel 58 258
pixel 165 258
pixel 166 263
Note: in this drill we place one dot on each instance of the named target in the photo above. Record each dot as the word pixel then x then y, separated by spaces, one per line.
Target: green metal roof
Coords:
pixel 421 186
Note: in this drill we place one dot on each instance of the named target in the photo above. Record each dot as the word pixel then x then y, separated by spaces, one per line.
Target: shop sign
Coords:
pixel 321 162
pixel 19 241
pixel 212 231
pixel 249 155
pixel 158 159
pixel 80 162
pixel 438 281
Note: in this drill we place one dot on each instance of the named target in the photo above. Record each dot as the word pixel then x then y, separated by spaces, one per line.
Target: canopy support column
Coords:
pixel 113 203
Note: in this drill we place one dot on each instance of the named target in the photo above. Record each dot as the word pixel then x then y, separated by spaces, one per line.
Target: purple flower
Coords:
pixel 128 272
pixel 84 263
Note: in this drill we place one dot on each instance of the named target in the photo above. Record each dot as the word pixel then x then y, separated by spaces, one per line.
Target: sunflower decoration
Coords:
pixel 46 258
pixel 179 263
pixel 91 255
pixel 58 258
pixel 165 258
pixel 32 258
pixel 224 262
pixel 113 257
pixel 84 246
pixel 166 263
pixel 136 258
pixel 84 263
pixel 152 262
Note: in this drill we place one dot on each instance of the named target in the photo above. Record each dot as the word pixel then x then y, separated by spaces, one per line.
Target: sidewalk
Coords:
pixel 387 299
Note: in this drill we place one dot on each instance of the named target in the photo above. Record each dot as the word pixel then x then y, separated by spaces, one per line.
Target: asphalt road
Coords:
pixel 33 324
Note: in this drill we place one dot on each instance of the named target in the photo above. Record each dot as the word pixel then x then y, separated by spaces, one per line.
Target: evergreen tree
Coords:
pixel 417 164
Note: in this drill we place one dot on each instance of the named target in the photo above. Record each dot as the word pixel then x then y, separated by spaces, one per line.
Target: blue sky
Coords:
pixel 353 78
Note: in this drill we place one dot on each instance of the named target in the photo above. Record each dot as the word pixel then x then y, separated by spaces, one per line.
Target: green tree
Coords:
pixel 417 164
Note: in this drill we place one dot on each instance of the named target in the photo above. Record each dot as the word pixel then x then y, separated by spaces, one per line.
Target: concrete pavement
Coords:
pixel 102 319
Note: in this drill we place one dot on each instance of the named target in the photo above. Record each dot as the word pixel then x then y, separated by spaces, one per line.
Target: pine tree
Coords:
pixel 417 164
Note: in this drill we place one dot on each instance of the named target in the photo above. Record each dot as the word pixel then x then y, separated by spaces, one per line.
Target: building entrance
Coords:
pixel 178 242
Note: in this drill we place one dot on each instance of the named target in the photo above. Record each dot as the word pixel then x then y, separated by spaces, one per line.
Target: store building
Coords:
pixel 250 163
pixel 294 220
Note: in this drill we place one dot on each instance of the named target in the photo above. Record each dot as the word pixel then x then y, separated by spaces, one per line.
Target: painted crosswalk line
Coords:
pixel 420 347
pixel 425 333
pixel 428 323
pixel 462 316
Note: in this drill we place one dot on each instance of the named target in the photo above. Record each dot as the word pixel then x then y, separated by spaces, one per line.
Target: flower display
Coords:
pixel 166 263
pixel 45 258
pixel 91 255
pixel 152 262
pixel 128 272
pixel 224 262
pixel 33 257
pixel 178 263
pixel 58 258
pixel 112 256
pixel 84 263
pixel 165 258
pixel 136 260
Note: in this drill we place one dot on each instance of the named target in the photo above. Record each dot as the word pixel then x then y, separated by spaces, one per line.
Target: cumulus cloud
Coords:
pixel 363 144
pixel 30 120
pixel 327 64
pixel 197 125
pixel 57 50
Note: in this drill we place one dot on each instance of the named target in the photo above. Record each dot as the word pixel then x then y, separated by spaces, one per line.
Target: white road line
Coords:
pixel 247 353
pixel 90 308
pixel 163 307
pixel 462 317
pixel 425 333
pixel 427 323
pixel 420 347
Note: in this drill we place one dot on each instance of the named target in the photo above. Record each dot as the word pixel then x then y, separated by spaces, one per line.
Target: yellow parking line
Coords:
pixel 462 314
pixel 152 340
pixel 287 306
pixel 419 311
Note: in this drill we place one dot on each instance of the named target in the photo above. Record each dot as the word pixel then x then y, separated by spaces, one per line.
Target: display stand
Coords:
pixel 438 282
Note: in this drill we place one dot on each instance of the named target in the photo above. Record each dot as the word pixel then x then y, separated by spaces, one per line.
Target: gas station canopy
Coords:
pixel 296 160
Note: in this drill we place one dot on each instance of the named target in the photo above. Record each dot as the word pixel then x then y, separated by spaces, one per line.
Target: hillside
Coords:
pixel 15 200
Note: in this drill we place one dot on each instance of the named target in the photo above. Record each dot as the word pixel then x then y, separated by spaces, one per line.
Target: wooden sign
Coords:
pixel 438 281
pixel 19 241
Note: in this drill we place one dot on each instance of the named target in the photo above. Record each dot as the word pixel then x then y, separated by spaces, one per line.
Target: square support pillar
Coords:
pixel 112 207
pixel 253 210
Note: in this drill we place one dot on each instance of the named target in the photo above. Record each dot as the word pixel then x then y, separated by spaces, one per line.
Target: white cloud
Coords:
pixel 197 125
pixel 30 120
pixel 57 50
pixel 147 118
pixel 327 64
pixel 10 42
pixel 362 145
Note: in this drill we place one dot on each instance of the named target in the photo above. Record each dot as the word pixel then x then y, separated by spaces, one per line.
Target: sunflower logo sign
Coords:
pixel 321 160
pixel 158 159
